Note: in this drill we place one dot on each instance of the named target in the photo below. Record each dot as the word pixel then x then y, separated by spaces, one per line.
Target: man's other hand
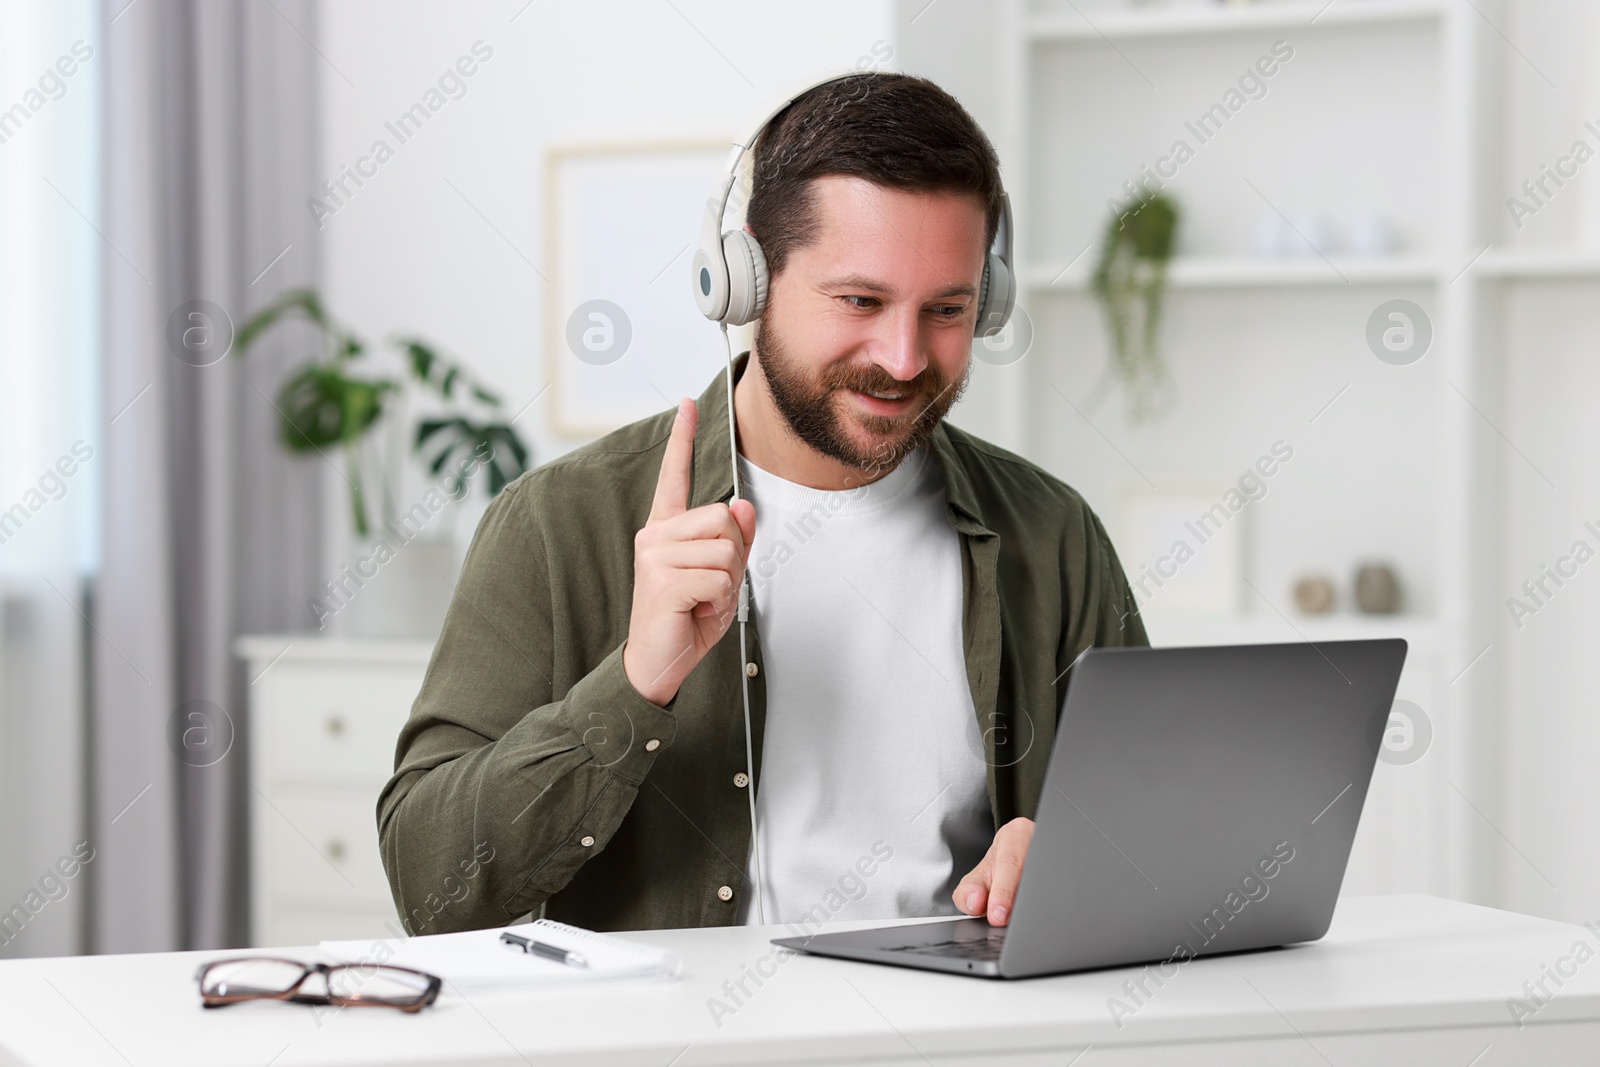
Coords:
pixel 991 886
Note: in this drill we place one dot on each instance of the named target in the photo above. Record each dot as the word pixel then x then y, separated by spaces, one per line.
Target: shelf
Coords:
pixel 1180 21
pixel 1419 631
pixel 1217 272
pixel 1539 263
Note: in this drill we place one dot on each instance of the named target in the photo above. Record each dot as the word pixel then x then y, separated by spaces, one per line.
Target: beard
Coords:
pixel 812 414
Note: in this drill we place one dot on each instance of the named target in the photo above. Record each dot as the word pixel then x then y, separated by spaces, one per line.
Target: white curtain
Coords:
pixel 52 441
pixel 209 530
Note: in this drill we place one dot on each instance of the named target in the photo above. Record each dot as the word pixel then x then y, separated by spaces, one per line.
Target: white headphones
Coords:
pixel 730 285
pixel 730 270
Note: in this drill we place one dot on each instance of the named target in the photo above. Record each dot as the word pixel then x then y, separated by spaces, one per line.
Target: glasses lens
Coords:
pixel 247 978
pixel 373 981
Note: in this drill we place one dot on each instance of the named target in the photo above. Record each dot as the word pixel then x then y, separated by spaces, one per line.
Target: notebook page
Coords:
pixel 478 959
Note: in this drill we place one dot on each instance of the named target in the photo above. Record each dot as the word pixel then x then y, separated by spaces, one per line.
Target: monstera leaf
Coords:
pixel 494 444
pixel 321 407
pixel 440 374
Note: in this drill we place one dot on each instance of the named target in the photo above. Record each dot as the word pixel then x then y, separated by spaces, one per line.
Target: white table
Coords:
pixel 1412 980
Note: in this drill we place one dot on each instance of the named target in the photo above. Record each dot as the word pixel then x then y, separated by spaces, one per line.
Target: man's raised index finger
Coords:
pixel 672 487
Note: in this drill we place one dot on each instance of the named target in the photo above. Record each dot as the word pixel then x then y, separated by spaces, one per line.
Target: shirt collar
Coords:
pixel 711 476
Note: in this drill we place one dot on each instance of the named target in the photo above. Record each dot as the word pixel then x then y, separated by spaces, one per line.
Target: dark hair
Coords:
pixel 894 130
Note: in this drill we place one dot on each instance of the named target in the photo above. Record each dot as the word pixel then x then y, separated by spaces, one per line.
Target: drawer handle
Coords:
pixel 336 725
pixel 335 850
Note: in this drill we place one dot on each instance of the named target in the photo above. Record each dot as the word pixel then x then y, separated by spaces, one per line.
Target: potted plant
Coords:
pixel 1130 281
pixel 328 404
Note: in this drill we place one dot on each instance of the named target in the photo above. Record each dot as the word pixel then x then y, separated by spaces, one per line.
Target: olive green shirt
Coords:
pixel 532 773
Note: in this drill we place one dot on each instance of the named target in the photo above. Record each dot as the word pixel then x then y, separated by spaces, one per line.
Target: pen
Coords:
pixel 539 948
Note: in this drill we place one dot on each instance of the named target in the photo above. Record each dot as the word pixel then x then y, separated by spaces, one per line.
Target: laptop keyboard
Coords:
pixel 982 948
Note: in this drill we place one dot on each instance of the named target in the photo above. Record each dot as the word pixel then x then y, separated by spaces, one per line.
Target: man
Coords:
pixel 917 596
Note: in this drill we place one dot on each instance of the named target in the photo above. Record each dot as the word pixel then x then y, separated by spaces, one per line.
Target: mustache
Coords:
pixel 929 382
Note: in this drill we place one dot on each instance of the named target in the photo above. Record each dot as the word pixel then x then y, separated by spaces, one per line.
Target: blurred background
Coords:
pixel 289 289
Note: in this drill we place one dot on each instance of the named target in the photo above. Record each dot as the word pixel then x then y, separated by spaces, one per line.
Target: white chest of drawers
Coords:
pixel 324 719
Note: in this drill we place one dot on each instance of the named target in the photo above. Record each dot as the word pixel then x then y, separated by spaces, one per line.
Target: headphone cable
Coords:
pixel 744 613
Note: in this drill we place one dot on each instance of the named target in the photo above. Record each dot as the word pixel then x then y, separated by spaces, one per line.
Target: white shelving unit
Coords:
pixel 1098 23
pixel 1382 96
pixel 1517 264
pixel 1222 272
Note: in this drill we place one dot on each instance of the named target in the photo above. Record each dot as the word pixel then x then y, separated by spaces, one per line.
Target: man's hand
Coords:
pixel 992 885
pixel 687 566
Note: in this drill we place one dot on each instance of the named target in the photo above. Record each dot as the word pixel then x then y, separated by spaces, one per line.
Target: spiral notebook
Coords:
pixel 479 960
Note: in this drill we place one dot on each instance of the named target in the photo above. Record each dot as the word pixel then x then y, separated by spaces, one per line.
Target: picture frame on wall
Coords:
pixel 624 338
pixel 1183 549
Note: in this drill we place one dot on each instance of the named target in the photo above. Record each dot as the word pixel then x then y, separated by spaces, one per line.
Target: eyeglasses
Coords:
pixel 224 982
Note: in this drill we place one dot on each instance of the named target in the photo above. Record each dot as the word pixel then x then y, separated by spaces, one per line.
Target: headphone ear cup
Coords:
pixel 983 297
pixel 747 277
pixel 995 297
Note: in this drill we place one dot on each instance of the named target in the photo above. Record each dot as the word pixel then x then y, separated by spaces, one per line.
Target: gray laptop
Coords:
pixel 1198 800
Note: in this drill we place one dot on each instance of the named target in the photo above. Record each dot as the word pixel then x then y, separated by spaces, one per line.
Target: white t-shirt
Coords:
pixel 872 802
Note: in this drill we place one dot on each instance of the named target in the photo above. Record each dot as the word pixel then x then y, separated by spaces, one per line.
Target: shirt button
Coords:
pixel 652 744
pixel 725 893
pixel 741 779
pixel 751 670
pixel 587 841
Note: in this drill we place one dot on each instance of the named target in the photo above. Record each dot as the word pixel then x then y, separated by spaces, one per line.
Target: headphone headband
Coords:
pixel 730 269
